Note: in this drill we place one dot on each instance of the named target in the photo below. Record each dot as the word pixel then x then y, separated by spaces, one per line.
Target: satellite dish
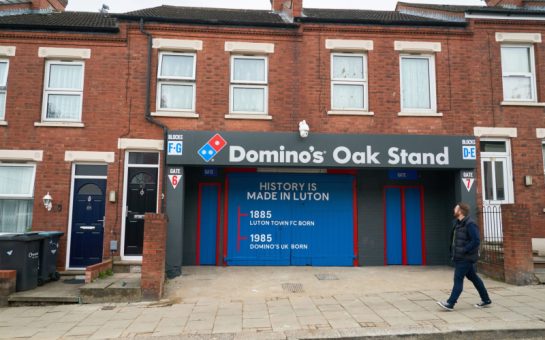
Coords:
pixel 105 8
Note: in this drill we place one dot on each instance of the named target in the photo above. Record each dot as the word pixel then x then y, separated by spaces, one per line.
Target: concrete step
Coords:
pixel 127 266
pixel 124 287
pixel 540 274
pixel 72 273
pixel 64 291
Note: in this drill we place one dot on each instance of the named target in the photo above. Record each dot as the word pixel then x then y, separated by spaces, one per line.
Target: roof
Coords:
pixel 478 9
pixel 64 21
pixel 206 16
pixel 352 16
pixel 14 2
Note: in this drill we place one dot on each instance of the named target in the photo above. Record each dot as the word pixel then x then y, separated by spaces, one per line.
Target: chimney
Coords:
pixel 504 3
pixel 288 8
pixel 35 6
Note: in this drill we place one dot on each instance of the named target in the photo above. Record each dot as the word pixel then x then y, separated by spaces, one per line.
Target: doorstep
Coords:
pixel 64 291
pixel 119 288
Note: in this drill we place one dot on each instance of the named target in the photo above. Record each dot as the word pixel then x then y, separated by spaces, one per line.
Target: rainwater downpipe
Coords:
pixel 149 118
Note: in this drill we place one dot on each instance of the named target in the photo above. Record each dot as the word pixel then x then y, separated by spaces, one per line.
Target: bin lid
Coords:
pixel 21 237
pixel 50 233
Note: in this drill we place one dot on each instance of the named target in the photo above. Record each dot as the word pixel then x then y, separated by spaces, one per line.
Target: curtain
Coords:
pixel 415 83
pixel 248 99
pixel 16 180
pixel 347 67
pixel 347 96
pixel 177 97
pixel 249 70
pixel 2 104
pixel 15 215
pixel 177 66
pixel 515 60
pixel 63 106
pixel 65 77
pixel 3 71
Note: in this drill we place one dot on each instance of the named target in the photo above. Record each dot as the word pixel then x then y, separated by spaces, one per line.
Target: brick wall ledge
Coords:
pixel 59 124
pixel 92 272
pixel 522 104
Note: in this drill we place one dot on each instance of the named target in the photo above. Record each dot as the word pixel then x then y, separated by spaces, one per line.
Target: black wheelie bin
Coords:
pixel 49 251
pixel 21 252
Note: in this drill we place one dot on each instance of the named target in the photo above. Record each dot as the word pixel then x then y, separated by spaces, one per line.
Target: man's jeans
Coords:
pixel 466 269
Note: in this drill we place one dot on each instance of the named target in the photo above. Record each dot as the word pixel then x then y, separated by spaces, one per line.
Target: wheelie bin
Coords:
pixel 21 252
pixel 49 250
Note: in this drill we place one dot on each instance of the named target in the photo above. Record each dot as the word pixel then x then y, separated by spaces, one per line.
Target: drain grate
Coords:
pixel 293 287
pixel 326 277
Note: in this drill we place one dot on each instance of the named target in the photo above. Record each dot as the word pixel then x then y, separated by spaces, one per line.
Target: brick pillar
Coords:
pixel 8 279
pixel 517 244
pixel 153 257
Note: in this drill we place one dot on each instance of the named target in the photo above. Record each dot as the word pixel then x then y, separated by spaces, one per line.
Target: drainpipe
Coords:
pixel 148 116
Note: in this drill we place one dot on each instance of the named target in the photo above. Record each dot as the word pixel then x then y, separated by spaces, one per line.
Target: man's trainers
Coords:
pixel 445 305
pixel 483 304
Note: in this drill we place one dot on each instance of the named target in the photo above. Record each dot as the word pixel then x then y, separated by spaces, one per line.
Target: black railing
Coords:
pixel 492 234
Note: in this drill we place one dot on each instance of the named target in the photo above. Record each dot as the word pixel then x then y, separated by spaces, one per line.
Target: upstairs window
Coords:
pixel 249 85
pixel 518 70
pixel 63 95
pixel 418 93
pixel 176 82
pixel 4 65
pixel 348 82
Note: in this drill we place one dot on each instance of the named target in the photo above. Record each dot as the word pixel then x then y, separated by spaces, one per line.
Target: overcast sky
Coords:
pixel 129 5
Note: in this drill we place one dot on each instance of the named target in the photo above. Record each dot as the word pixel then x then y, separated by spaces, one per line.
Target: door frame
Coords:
pixel 73 178
pixel 126 167
pixel 507 156
pixel 218 222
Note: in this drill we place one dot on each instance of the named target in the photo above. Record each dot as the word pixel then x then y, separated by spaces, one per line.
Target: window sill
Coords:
pixel 248 116
pixel 420 114
pixel 59 124
pixel 522 104
pixel 3 123
pixel 175 114
pixel 350 113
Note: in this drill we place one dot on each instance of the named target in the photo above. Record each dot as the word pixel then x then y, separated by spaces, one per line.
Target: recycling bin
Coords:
pixel 21 252
pixel 49 250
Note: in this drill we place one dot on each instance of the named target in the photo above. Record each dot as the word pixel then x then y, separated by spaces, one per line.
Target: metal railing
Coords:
pixel 492 234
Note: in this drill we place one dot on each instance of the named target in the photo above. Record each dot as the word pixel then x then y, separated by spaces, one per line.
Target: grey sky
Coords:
pixel 129 5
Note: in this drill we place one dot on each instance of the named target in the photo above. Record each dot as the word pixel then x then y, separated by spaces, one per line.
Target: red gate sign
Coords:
pixel 175 180
pixel 468 183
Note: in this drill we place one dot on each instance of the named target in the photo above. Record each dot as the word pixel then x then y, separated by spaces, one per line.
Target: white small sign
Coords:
pixel 468 183
pixel 175 180
pixel 175 148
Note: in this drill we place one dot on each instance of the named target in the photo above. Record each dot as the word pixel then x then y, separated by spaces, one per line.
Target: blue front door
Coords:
pixel 87 222
pixel 208 223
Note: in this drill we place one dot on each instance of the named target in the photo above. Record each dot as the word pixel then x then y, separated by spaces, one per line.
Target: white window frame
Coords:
pixel 531 75
pixel 181 81
pixel 343 81
pixel 30 195
pixel 432 80
pixel 543 153
pixel 249 85
pixel 4 89
pixel 506 156
pixel 48 91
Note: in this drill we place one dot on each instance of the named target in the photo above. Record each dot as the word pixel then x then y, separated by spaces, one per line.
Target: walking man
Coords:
pixel 464 251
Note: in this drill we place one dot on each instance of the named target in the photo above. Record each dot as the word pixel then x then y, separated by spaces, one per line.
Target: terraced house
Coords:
pixel 292 136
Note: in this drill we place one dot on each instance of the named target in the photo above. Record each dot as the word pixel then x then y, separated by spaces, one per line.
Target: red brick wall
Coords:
pixel 153 259
pixel 93 272
pixel 517 244
pixel 8 279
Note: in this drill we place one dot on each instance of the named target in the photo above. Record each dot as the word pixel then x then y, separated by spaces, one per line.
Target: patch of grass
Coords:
pixel 104 274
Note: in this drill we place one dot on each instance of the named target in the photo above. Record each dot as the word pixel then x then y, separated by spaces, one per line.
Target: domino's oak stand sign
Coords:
pixel 210 149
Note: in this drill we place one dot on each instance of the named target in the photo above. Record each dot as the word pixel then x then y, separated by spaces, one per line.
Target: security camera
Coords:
pixel 303 129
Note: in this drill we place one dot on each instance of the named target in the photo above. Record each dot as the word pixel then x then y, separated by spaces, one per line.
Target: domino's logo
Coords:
pixel 212 147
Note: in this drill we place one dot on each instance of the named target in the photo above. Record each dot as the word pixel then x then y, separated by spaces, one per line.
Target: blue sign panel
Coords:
pixel 290 219
pixel 403 175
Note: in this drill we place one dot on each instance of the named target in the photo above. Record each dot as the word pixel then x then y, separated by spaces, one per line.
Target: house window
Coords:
pixel 249 90
pixel 16 197
pixel 543 153
pixel 418 84
pixel 3 87
pixel 348 82
pixel 63 91
pixel 176 82
pixel 518 68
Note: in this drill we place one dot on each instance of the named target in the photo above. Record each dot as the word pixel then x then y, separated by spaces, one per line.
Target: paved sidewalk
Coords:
pixel 215 313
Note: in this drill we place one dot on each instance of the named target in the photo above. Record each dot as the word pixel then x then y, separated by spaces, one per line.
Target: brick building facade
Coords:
pixel 155 85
